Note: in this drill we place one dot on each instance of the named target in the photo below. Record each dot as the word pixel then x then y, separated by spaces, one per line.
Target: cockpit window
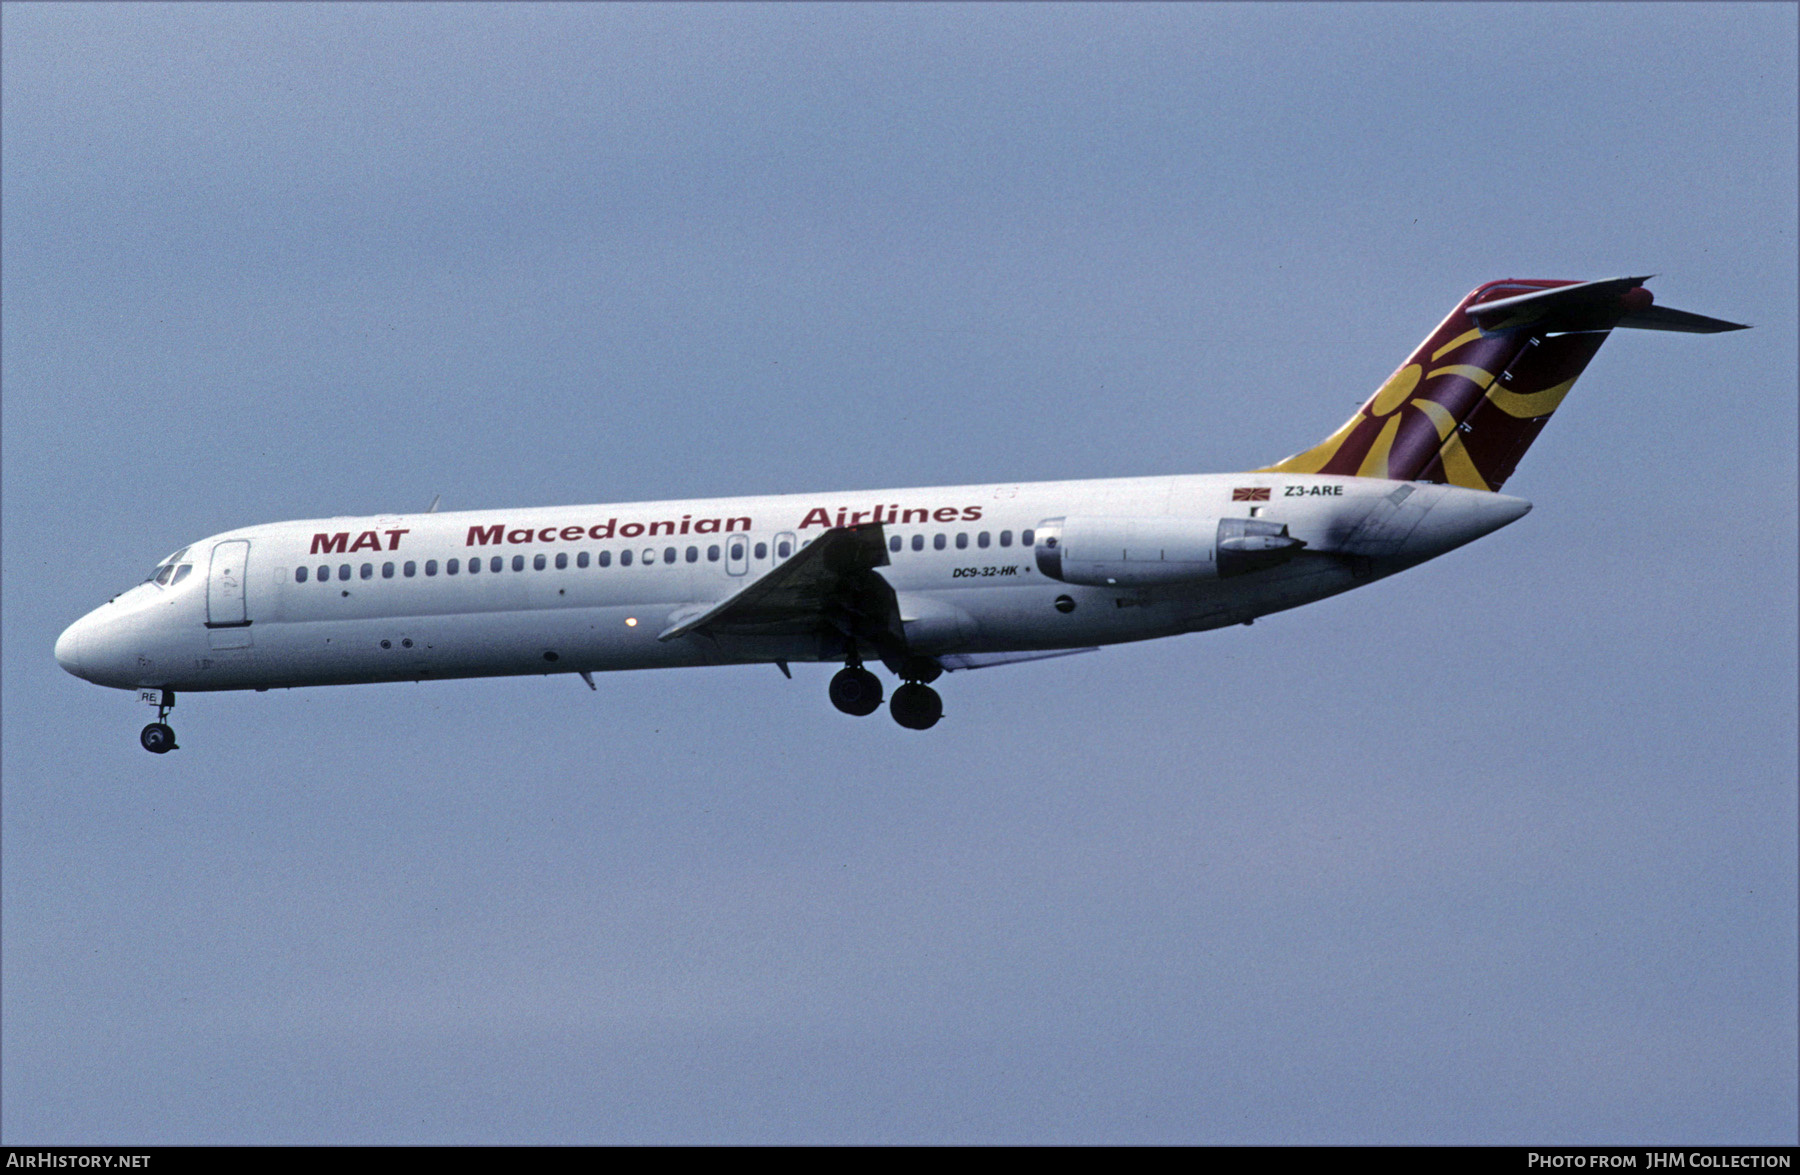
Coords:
pixel 181 573
pixel 159 575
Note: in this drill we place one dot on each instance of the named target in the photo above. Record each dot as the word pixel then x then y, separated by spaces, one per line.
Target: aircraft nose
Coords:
pixel 68 648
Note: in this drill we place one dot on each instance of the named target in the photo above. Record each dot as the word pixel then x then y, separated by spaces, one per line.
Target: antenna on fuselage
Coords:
pixel 435 499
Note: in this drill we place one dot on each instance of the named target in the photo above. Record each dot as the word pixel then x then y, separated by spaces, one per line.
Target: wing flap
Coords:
pixel 955 661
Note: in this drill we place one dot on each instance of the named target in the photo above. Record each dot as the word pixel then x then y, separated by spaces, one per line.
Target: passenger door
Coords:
pixel 225 585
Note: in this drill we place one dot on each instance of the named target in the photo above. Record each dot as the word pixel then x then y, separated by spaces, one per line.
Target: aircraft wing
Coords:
pixel 829 583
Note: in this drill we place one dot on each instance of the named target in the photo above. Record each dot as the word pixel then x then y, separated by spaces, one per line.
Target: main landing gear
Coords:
pixel 157 737
pixel 855 690
pixel 915 705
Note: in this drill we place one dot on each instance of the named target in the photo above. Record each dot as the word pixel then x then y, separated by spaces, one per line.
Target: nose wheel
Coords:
pixel 158 738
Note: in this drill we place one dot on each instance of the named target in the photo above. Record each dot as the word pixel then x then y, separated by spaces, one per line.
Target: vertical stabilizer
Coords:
pixel 1470 400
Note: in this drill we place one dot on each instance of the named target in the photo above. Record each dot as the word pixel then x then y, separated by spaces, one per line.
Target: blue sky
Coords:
pixel 1501 850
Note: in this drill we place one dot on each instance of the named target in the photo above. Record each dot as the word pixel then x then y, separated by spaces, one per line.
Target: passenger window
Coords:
pixel 450 568
pixel 981 540
pixel 431 567
pixel 519 562
pixel 712 553
pixel 411 568
pixel 605 558
pixel 937 542
pixel 1025 537
pixel 387 571
pixel 537 562
pixel 893 542
pixel 1006 538
pixel 624 558
pixel 783 549
pixel 649 556
pixel 562 560
pixel 299 575
pixel 918 543
pixel 581 559
pixel 368 571
pixel 762 550
pixel 496 563
pixel 474 566
pixel 693 555
pixel 668 554
pixel 343 571
pixel 324 573
pixel 962 542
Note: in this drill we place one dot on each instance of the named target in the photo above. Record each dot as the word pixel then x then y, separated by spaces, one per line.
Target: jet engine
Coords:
pixel 1143 552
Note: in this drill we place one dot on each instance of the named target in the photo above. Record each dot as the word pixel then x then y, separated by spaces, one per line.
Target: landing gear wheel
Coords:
pixel 924 670
pixel 916 707
pixel 157 738
pixel 856 691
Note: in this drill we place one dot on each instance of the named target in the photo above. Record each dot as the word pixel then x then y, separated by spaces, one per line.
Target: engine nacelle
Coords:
pixel 1142 552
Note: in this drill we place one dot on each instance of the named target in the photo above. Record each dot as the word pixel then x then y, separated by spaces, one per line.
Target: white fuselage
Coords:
pixel 589 588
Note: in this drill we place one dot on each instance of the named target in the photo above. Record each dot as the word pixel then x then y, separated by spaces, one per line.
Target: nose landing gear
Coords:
pixel 158 738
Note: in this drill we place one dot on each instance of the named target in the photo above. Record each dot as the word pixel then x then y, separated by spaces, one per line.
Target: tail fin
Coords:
pixel 1474 395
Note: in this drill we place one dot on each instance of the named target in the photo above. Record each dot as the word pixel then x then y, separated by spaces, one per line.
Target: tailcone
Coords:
pixel 1460 516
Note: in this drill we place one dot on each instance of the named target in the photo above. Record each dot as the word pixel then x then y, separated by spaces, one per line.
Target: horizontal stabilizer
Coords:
pixel 1600 305
pixel 1664 318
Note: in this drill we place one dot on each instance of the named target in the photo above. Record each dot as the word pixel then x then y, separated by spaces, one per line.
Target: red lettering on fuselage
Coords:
pixel 822 515
pixel 500 532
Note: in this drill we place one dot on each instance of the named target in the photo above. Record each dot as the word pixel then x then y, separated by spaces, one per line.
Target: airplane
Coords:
pixel 921 581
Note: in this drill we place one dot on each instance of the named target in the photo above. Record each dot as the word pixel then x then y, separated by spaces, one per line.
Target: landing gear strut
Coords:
pixel 158 738
pixel 915 705
pixel 855 690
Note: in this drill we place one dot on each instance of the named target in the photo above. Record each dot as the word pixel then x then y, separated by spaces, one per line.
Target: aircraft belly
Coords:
pixel 551 640
pixel 1023 618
